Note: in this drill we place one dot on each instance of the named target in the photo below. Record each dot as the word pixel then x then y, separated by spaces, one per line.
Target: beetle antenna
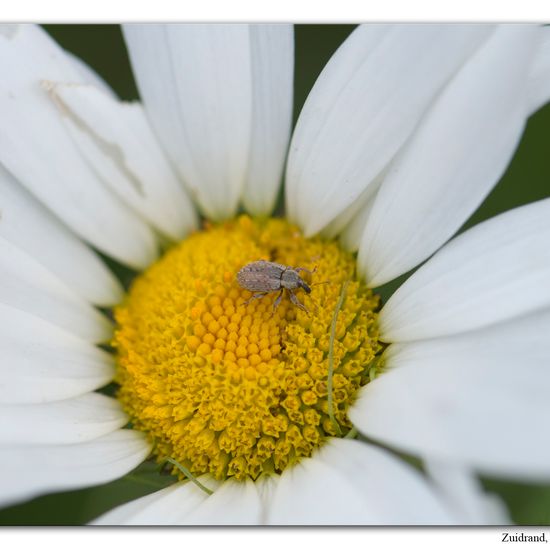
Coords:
pixel 321 283
pixel 309 271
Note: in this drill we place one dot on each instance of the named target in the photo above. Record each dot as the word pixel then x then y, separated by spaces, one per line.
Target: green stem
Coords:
pixel 189 475
pixel 331 358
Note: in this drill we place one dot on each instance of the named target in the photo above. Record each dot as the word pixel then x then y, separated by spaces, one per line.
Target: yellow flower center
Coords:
pixel 224 383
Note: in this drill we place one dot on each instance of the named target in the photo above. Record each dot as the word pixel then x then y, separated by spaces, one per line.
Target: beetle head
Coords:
pixel 291 279
pixel 304 285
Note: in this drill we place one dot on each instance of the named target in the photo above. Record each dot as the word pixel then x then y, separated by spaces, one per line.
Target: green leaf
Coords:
pixel 82 506
pixel 528 504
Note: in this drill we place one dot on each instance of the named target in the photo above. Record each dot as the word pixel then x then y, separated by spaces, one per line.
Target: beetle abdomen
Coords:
pixel 261 276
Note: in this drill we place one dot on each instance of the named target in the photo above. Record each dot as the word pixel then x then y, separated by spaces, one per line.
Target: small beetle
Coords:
pixel 264 277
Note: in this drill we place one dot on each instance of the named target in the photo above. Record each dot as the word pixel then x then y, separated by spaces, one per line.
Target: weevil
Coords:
pixel 263 278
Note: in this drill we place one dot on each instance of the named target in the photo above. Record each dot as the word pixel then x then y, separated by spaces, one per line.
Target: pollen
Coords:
pixel 229 385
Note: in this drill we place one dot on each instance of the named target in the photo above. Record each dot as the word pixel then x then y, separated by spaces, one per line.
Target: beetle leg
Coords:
pixel 278 300
pixel 257 295
pixel 296 302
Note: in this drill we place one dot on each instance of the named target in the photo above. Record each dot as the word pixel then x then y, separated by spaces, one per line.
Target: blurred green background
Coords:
pixel 527 179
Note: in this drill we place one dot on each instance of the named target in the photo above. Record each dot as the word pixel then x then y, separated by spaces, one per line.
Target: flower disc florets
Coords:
pixel 227 385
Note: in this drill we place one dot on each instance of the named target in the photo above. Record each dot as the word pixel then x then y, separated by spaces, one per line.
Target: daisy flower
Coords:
pixel 290 407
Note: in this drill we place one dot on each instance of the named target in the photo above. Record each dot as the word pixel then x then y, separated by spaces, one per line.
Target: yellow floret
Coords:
pixel 231 387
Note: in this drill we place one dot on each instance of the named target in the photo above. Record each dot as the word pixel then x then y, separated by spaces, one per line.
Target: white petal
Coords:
pixel 71 421
pixel 479 398
pixel 272 54
pixel 461 148
pixel 9 30
pixel 42 363
pixel 29 226
pixel 234 503
pixel 539 75
pixel 156 508
pixel 314 493
pixel 495 271
pixel 25 284
pixel 353 483
pixel 125 155
pixel 350 237
pixel 340 69
pixel 151 509
pixel 169 506
pixel 266 486
pixel 466 495
pixel 196 84
pixel 89 76
pixel 365 104
pixel 38 151
pixel 354 210
pixel 26 472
